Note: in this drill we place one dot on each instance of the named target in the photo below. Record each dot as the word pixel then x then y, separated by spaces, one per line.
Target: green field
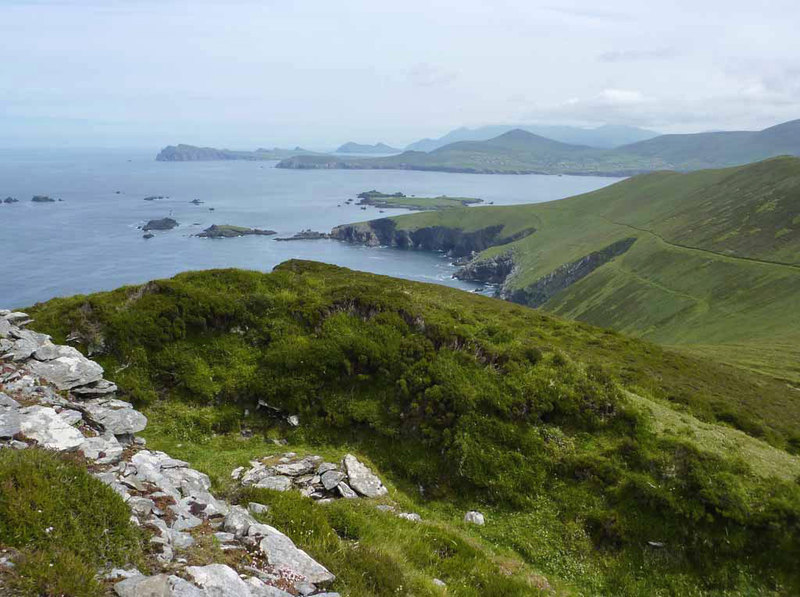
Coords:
pixel 605 464
pixel 714 268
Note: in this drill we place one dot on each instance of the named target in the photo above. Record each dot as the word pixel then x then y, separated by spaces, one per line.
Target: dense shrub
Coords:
pixel 67 523
pixel 459 395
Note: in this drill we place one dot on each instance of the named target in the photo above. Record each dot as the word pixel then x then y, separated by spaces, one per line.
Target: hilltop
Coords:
pixel 191 153
pixel 379 148
pixel 709 261
pixel 521 152
pixel 606 136
pixel 595 457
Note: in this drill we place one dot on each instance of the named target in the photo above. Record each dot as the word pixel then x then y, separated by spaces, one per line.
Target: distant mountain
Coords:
pixel 719 149
pixel 191 153
pixel 608 136
pixel 521 152
pixel 378 148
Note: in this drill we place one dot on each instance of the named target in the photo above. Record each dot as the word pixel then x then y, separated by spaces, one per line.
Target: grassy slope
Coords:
pixel 519 151
pixel 716 261
pixel 483 403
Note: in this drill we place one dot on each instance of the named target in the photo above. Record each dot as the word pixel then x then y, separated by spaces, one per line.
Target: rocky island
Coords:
pixel 401 201
pixel 228 231
pixel 162 224
pixel 306 235
pixel 42 199
pixel 191 153
pixel 10 200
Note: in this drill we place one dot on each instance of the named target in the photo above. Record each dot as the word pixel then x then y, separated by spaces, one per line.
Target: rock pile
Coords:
pixel 55 398
pixel 313 477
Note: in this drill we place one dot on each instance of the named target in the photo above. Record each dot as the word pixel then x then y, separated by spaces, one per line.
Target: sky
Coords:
pixel 317 73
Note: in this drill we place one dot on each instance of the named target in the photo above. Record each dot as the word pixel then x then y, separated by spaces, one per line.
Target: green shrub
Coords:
pixel 68 524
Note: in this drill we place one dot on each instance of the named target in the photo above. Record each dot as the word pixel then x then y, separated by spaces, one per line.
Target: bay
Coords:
pixel 90 241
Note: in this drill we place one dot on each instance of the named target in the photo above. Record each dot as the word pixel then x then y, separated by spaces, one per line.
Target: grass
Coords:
pixel 460 401
pixel 706 270
pixel 66 524
pixel 398 200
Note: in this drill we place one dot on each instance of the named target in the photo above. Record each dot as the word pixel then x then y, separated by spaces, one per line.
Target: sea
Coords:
pixel 91 240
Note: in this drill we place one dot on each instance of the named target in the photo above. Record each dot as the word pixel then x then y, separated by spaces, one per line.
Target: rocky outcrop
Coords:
pixel 10 200
pixel 42 199
pixel 491 270
pixel 312 477
pixel 161 224
pixel 564 276
pixel 453 241
pixel 227 231
pixel 53 397
pixel 306 235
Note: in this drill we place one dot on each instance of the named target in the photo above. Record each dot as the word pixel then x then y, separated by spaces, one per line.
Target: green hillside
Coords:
pixel 522 152
pixel 594 455
pixel 714 264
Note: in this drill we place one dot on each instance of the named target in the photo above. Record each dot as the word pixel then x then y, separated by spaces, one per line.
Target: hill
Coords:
pixel 521 152
pixel 607 136
pixel 191 153
pixel 567 436
pixel 378 148
pixel 709 260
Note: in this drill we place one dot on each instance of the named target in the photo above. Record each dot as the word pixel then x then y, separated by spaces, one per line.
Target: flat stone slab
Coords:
pixel 284 555
pixel 115 416
pixel 49 429
pixel 361 479
pixel 67 371
pixel 218 580
pixel 103 449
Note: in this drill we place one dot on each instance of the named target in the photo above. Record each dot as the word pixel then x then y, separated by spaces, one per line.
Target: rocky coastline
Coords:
pixel 452 241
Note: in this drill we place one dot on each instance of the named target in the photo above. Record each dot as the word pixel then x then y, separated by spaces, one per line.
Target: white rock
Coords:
pixel 345 491
pixel 43 424
pixel 331 479
pixel 157 586
pixel 412 516
pixel 238 521
pixel 71 416
pixel 67 371
pixel 115 416
pixel 103 449
pixel 218 580
pixel 10 422
pixel 439 583
pixel 283 554
pixel 295 469
pixel 276 483
pixel 361 479
pixel 474 517
pixel 256 508
pixel 259 588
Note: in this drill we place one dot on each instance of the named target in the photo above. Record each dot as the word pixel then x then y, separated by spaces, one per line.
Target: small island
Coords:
pixel 228 231
pixel 162 224
pixel 10 200
pixel 154 197
pixel 306 235
pixel 42 199
pixel 401 201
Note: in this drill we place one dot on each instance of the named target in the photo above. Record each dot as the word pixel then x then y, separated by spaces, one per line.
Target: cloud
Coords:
pixel 424 74
pixel 637 55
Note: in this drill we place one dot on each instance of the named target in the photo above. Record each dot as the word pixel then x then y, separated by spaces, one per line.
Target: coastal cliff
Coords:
pixel 453 241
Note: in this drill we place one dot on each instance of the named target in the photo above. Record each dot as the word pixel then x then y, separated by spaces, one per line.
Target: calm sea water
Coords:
pixel 90 241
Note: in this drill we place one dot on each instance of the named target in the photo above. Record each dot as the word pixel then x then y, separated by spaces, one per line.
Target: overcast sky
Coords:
pixel 248 73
